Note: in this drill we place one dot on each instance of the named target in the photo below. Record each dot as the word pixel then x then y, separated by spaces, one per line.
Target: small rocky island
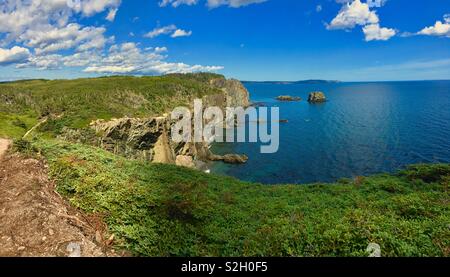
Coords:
pixel 288 98
pixel 317 97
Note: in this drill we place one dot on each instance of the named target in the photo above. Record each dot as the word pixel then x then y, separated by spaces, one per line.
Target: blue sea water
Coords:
pixel 363 129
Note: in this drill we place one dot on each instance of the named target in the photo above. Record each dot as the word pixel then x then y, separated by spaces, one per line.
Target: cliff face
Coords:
pixel 234 91
pixel 149 138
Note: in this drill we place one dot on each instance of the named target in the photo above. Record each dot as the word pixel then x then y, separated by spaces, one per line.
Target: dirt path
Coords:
pixel 42 121
pixel 4 145
pixel 35 220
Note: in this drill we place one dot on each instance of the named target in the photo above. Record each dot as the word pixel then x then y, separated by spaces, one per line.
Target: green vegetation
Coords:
pixel 80 101
pixel 14 125
pixel 163 210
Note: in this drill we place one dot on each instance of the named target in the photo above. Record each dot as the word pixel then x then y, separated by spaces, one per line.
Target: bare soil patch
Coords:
pixel 36 221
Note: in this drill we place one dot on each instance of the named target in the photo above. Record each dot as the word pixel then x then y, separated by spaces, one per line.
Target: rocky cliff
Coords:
pixel 149 138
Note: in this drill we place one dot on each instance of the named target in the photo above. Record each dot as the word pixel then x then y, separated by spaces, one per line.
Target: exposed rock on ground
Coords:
pixel 186 161
pixel 374 250
pixel 317 97
pixel 288 98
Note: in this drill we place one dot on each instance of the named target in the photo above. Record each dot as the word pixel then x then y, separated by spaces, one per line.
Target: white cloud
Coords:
pixel 371 3
pixel 128 58
pixel 44 32
pixel 91 7
pixel 45 26
pixel 439 29
pixel 232 3
pixel 374 32
pixel 14 55
pixel 211 3
pixel 112 14
pixel 166 30
pixel 161 31
pixel 21 15
pixel 43 62
pixel 51 39
pixel 176 3
pixel 181 33
pixel 352 14
pixel 160 49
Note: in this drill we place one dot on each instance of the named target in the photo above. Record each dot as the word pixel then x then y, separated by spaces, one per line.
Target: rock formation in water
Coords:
pixel 288 98
pixel 149 138
pixel 317 97
pixel 229 158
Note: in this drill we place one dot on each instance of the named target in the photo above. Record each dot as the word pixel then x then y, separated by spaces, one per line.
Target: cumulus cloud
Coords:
pixel 352 14
pixel 128 58
pixel 232 3
pixel 211 3
pixel 51 39
pixel 45 26
pixel 166 30
pixel 355 13
pixel 111 14
pixel 47 36
pixel 181 33
pixel 91 7
pixel 13 55
pixel 438 29
pixel 176 3
pixel 20 15
pixel 374 32
pixel 44 62
pixel 161 31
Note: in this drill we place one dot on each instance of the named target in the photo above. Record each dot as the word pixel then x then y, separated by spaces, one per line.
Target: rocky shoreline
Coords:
pixel 149 138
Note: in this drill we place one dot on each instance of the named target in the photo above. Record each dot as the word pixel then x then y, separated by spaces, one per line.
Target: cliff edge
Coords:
pixel 149 138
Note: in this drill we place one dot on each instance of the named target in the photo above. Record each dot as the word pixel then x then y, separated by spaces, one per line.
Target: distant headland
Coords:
pixel 293 82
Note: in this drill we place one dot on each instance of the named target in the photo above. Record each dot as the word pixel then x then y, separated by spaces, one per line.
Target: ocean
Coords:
pixel 363 129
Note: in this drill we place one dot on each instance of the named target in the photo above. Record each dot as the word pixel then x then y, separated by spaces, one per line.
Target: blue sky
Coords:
pixel 348 40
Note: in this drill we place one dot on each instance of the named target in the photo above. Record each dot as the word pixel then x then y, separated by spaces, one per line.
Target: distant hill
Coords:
pixel 84 100
pixel 293 82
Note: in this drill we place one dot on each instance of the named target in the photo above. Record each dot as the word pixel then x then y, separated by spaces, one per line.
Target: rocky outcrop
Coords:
pixel 229 158
pixel 149 138
pixel 288 98
pixel 235 93
pixel 317 97
pixel 138 138
pixel 186 161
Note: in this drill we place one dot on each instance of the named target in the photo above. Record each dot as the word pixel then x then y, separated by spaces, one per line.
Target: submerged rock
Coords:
pixel 288 98
pixel 317 97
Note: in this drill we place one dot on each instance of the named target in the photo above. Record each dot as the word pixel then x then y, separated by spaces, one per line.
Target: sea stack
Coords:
pixel 317 97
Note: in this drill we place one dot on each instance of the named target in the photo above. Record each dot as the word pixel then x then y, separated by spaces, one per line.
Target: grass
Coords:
pixel 163 210
pixel 82 100
pixel 15 125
